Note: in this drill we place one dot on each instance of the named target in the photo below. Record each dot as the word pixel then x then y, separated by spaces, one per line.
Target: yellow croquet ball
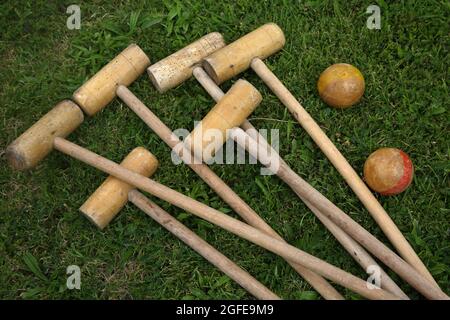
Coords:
pixel 341 85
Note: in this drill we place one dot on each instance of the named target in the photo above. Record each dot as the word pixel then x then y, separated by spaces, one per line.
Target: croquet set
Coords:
pixel 211 61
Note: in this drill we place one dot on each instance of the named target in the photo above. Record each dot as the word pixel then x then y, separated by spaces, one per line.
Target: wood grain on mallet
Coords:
pixel 223 263
pixel 220 187
pixel 176 68
pixel 100 90
pixel 235 106
pixel 35 143
pixel 107 201
pixel 236 57
pixel 113 194
pixel 232 59
pixel 239 228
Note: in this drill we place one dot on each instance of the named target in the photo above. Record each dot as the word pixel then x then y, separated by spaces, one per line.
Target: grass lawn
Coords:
pixel 405 105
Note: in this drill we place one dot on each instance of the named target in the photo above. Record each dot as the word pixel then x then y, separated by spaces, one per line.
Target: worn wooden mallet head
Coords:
pixel 100 90
pixel 249 51
pixel 177 68
pixel 235 106
pixel 196 207
pixel 107 201
pixel 236 57
pixel 110 197
pixel 34 144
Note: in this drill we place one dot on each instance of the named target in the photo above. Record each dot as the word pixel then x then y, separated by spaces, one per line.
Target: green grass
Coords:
pixel 405 105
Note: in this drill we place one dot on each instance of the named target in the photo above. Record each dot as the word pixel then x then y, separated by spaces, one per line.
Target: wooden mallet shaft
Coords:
pixel 346 223
pixel 218 259
pixel 351 246
pixel 34 144
pixel 248 52
pixel 112 195
pixel 171 72
pixel 350 226
pixel 213 216
pixel 333 213
pixel 220 187
pixel 230 224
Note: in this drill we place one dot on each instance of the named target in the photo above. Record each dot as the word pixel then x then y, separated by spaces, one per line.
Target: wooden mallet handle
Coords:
pixel 351 246
pixel 172 71
pixel 221 188
pixel 235 226
pixel 344 168
pixel 113 194
pixel 255 144
pixel 227 266
pixel 367 240
pixel 248 51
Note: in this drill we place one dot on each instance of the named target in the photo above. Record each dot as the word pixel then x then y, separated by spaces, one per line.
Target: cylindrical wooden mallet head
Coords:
pixel 236 57
pixel 112 195
pixel 177 68
pixel 34 144
pixel 100 90
pixel 231 111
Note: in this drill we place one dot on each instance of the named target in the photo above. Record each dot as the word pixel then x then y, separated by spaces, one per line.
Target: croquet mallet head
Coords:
pixel 100 89
pixel 112 195
pixel 231 111
pixel 177 68
pixel 34 144
pixel 236 57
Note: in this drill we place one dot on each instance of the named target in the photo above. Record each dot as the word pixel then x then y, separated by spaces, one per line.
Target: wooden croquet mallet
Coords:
pixel 44 132
pixel 351 246
pixel 173 71
pixel 112 195
pixel 34 144
pixel 113 80
pixel 220 119
pixel 180 66
pixel 249 51
pixel 93 96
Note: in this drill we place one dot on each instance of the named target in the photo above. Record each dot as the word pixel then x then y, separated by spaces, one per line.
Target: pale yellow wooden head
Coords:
pixel 236 57
pixel 177 68
pixel 112 195
pixel 231 111
pixel 34 144
pixel 100 90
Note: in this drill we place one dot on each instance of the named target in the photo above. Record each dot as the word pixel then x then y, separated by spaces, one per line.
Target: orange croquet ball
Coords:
pixel 388 171
pixel 341 85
